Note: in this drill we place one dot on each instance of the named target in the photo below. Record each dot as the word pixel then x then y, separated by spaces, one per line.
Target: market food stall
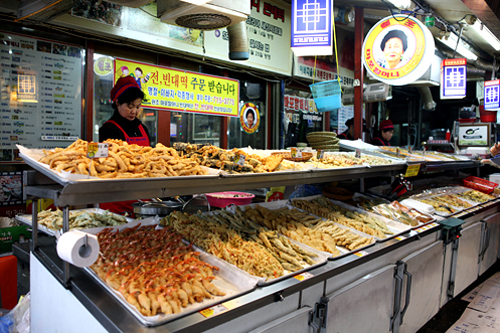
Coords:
pixel 392 267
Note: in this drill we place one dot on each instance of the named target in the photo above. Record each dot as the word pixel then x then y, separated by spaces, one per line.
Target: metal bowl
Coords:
pixel 162 208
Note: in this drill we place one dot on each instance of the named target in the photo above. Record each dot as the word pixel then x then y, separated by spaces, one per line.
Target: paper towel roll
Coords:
pixel 71 248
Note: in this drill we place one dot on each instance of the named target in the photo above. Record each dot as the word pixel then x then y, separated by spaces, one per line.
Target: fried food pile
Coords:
pixel 362 222
pixel 259 252
pixel 123 161
pixel 323 235
pixel 79 219
pixel 218 158
pixel 153 269
pixel 477 196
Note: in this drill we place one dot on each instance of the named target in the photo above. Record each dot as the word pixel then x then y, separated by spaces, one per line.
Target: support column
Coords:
pixel 358 72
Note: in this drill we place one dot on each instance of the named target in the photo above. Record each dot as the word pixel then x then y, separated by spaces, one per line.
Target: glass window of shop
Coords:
pixel 301 116
pixel 253 105
pixel 194 128
pixel 103 110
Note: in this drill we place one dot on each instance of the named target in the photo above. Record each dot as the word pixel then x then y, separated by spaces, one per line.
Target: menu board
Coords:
pixel 41 85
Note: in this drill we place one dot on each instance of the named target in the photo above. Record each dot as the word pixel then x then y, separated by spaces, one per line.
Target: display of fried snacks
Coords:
pixel 439 206
pixel 362 222
pixel 453 200
pixel 323 235
pixel 396 211
pixel 475 195
pixel 257 251
pixel 367 159
pixel 123 161
pixel 367 203
pixel 332 161
pixel 153 269
pixel 53 219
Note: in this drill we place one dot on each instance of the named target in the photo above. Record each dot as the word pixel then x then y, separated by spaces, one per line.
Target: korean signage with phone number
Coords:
pixel 175 90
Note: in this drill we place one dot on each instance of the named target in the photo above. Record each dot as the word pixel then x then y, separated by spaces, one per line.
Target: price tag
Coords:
pixel 296 152
pixel 239 159
pixel 214 310
pixel 303 276
pixel 400 238
pixel 97 150
pixel 412 170
pixel 320 154
pixel 358 153
pixel 360 253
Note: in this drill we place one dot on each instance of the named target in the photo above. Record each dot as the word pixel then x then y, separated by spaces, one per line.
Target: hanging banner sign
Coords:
pixel 492 95
pixel 453 78
pixel 312 27
pixel 398 50
pixel 183 91
pixel 249 118
pixel 103 66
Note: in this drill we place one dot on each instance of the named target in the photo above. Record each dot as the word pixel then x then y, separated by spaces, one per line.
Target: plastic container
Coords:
pixel 487 116
pixel 448 135
pixel 466 120
pixel 480 184
pixel 327 95
pixel 224 199
pixel 420 206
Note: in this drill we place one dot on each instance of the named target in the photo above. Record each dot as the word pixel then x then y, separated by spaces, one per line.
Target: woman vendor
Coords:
pixel 124 125
pixel 386 131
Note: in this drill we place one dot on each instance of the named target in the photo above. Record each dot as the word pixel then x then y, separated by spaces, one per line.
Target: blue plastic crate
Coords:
pixel 327 95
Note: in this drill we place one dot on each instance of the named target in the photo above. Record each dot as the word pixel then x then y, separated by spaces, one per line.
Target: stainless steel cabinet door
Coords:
pixel 363 306
pixel 491 237
pixel 295 322
pixel 426 269
pixel 467 261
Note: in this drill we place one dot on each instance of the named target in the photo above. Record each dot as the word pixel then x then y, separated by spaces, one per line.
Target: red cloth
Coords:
pixel 385 125
pixel 8 282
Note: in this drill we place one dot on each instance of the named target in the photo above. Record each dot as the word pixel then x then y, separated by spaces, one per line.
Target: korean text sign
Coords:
pixel 183 91
pixel 453 78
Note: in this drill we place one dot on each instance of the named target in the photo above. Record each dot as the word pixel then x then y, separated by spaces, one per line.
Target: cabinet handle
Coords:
pixel 397 305
pixel 486 242
pixel 408 290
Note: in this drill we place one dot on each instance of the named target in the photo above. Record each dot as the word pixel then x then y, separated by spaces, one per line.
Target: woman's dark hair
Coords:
pixel 395 34
pixel 252 112
pixel 139 69
pixel 386 130
pixel 130 95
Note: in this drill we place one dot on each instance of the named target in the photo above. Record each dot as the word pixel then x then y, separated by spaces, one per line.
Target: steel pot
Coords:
pixel 162 208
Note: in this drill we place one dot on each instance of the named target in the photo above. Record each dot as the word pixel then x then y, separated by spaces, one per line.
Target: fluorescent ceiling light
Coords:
pixel 487 35
pixel 452 43
pixel 402 4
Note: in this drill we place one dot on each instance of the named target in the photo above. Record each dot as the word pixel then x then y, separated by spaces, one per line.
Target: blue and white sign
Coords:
pixel 312 27
pixel 454 78
pixel 492 95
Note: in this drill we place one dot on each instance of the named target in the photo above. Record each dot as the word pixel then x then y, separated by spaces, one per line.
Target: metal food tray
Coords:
pixel 273 205
pixel 320 259
pixel 26 219
pixel 396 227
pixel 360 195
pixel 32 157
pixel 229 279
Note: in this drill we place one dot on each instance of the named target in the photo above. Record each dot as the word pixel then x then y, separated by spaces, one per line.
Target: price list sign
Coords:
pixel 492 95
pixel 453 78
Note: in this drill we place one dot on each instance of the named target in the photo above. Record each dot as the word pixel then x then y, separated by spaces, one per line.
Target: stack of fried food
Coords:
pixel 153 269
pixel 362 222
pixel 80 219
pixel 123 161
pixel 477 196
pixel 218 158
pixel 257 251
pixel 323 235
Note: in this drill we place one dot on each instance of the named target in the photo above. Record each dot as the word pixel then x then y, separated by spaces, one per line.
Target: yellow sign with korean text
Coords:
pixel 182 91
pixel 412 170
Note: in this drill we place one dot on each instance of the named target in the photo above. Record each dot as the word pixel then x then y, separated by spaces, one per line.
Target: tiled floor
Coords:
pixel 447 319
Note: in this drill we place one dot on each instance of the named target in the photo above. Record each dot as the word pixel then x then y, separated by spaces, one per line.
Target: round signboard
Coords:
pixel 103 66
pixel 249 118
pixel 398 50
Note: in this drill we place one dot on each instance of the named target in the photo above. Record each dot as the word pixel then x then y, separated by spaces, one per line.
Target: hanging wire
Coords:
pixel 314 70
pixel 392 13
pixel 458 41
pixel 336 57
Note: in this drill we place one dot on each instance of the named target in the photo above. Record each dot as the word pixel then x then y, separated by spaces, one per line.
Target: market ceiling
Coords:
pixel 450 11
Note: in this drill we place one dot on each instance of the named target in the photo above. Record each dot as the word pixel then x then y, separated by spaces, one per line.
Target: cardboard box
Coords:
pixel 11 235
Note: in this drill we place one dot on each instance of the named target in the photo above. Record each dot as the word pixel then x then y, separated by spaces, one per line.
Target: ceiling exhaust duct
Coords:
pixel 213 15
pixel 428 102
pixel 238 41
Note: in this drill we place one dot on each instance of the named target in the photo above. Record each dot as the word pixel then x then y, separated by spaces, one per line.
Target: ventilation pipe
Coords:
pixel 238 41
pixel 428 102
pixel 474 67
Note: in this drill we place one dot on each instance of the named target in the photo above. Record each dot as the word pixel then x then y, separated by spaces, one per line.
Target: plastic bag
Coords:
pixel 18 319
